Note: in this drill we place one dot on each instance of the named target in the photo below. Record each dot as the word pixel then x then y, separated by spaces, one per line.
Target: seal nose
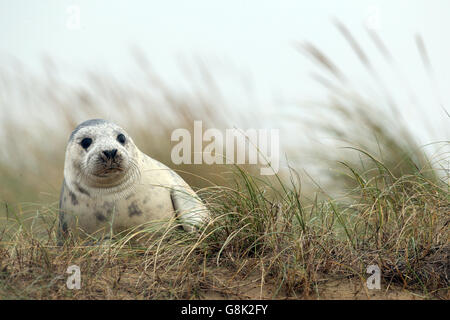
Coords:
pixel 110 154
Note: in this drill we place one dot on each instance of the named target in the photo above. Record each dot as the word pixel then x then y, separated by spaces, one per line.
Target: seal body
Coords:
pixel 110 185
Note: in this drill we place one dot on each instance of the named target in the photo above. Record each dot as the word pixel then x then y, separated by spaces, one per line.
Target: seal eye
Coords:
pixel 121 138
pixel 86 142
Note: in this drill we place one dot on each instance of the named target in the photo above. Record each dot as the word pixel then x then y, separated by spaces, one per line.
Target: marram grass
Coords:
pixel 264 228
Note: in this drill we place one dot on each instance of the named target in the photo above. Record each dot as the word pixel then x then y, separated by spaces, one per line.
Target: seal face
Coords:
pixel 110 185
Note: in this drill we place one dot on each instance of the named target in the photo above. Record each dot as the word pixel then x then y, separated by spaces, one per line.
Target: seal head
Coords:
pixel 99 158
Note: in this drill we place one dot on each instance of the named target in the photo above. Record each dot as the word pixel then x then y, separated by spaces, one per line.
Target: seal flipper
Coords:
pixel 189 208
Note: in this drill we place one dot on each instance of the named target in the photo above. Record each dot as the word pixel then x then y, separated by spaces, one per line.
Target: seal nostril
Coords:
pixel 110 154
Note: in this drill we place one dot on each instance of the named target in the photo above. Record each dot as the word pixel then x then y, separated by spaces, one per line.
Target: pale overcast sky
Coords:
pixel 257 38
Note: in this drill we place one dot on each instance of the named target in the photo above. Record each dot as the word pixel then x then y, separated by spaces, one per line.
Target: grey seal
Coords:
pixel 110 185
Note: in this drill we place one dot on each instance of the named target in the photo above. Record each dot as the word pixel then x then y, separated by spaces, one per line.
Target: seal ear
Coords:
pixel 189 209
